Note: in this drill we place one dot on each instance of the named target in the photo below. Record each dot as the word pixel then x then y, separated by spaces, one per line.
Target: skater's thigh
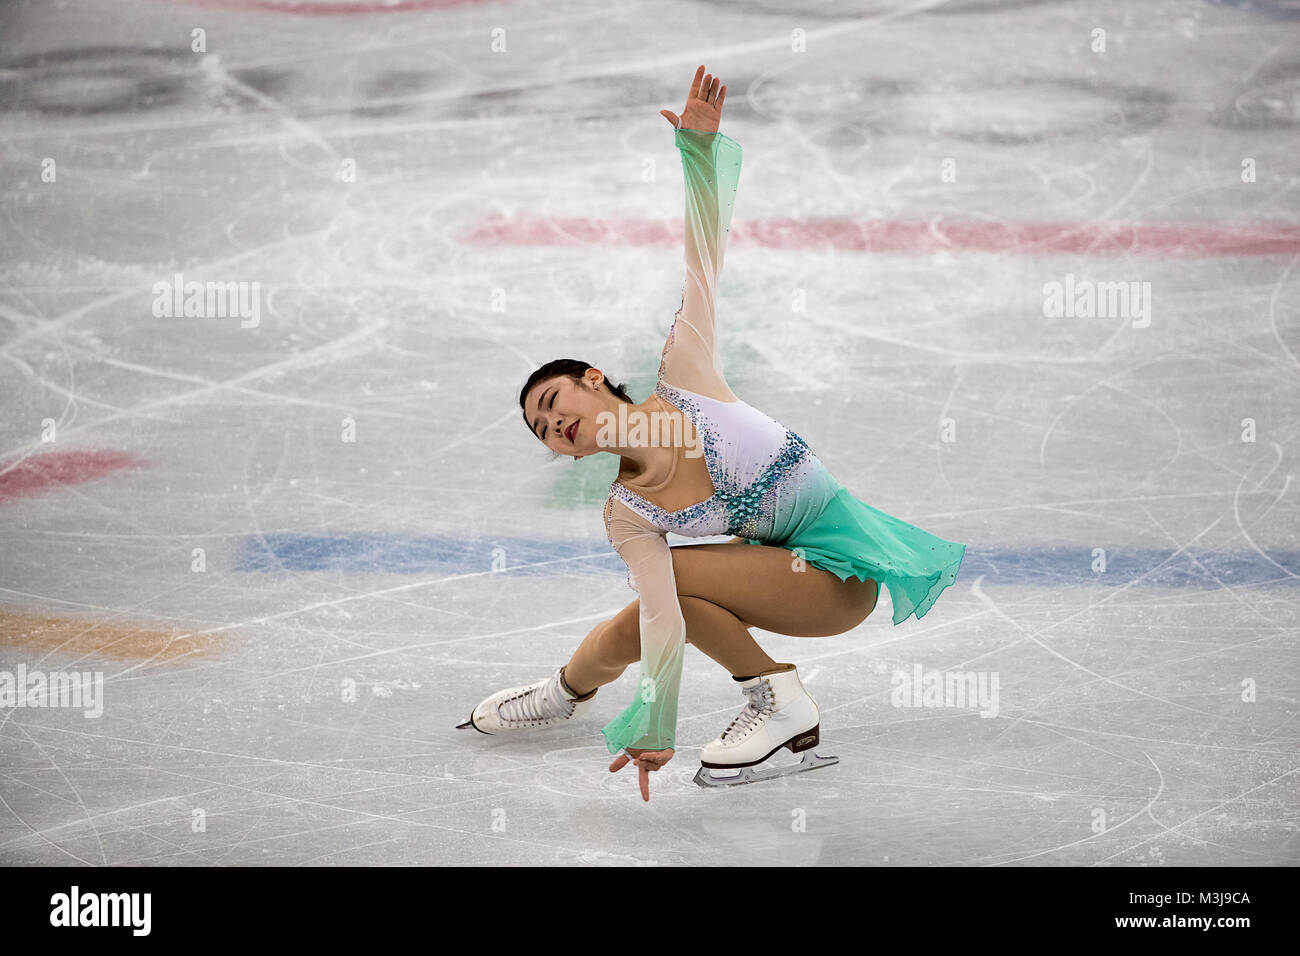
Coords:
pixel 765 587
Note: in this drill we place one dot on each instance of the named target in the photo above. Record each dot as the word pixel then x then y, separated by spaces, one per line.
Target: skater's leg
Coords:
pixel 769 588
pixel 615 644
pixel 724 589
pixel 606 651
pixel 721 635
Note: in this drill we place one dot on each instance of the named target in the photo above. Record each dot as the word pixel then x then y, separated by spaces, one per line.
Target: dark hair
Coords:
pixel 572 368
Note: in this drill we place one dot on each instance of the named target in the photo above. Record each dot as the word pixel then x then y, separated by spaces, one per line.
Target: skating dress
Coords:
pixel 769 487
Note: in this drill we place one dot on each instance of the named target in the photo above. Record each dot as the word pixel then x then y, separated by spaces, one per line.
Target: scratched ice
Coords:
pixel 289 623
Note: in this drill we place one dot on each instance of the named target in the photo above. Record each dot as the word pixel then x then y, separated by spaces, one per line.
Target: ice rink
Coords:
pixel 300 541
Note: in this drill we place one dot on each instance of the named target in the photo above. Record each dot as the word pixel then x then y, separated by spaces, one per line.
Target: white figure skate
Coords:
pixel 542 704
pixel 779 714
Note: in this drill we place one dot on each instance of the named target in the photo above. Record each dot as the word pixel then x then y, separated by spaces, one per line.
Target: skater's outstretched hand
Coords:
pixel 646 761
pixel 703 109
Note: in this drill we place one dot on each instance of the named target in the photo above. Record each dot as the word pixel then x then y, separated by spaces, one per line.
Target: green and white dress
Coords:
pixel 769 487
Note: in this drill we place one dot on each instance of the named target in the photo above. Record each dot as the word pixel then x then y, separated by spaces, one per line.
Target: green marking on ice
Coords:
pixel 584 483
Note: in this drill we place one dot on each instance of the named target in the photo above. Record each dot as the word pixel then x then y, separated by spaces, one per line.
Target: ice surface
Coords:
pixel 428 219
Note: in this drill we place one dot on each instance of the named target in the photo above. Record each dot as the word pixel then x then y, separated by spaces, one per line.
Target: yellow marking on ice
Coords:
pixel 116 638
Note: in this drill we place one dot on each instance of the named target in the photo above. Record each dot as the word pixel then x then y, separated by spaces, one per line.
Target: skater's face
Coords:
pixel 562 412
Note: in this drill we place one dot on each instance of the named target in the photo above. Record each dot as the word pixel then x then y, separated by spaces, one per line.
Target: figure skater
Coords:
pixel 808 558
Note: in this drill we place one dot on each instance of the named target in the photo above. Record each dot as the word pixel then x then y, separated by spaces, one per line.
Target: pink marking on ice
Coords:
pixel 891 235
pixel 39 473
pixel 322 8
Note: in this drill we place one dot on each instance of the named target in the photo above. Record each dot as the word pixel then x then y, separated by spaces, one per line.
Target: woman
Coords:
pixel 697 461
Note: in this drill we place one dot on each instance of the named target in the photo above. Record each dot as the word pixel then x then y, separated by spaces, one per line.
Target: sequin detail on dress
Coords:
pixel 754 507
pixel 734 507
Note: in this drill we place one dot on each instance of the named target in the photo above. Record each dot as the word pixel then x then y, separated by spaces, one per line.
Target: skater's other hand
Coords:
pixel 646 761
pixel 703 109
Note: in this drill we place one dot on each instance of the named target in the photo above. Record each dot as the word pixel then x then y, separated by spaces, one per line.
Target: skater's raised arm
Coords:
pixel 711 168
pixel 650 722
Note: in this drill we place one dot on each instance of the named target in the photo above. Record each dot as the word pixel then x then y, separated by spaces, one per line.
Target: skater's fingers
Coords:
pixel 619 763
pixel 695 83
pixel 644 781
pixel 722 95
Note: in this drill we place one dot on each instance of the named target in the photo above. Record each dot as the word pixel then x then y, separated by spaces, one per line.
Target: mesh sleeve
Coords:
pixel 650 721
pixel 711 168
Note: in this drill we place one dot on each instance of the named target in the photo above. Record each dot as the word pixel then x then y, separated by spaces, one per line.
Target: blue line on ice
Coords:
pixel 448 554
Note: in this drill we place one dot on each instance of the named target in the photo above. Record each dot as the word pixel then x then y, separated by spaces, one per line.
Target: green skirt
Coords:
pixel 849 538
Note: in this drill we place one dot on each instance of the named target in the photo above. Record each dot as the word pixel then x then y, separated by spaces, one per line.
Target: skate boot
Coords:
pixel 779 714
pixel 542 704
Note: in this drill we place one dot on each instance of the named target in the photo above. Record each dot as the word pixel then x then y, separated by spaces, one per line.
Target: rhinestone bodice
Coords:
pixel 766 479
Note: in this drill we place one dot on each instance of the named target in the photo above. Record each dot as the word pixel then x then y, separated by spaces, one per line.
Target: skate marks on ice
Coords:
pixel 105 81
pixel 582 770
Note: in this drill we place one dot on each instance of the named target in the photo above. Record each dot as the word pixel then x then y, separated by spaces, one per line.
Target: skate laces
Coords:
pixel 540 701
pixel 761 701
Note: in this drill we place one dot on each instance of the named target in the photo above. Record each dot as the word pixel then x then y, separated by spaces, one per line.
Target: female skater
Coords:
pixel 695 460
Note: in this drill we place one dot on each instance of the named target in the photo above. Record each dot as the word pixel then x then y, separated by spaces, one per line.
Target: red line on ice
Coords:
pixel 892 235
pixel 40 473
